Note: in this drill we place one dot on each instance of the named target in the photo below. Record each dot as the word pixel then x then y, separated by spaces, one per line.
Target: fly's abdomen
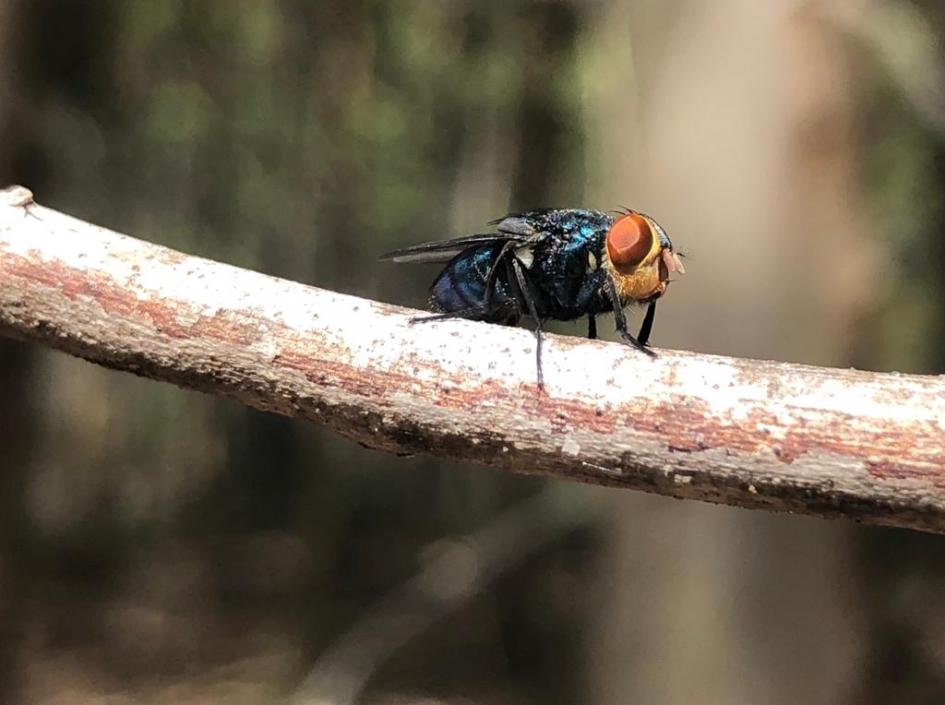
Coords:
pixel 461 286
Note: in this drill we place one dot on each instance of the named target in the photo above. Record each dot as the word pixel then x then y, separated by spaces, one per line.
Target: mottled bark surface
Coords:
pixel 756 434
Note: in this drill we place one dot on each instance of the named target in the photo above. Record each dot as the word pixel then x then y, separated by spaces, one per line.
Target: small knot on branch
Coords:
pixel 16 197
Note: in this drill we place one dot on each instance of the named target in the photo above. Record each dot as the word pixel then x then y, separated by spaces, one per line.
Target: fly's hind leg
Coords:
pixel 592 327
pixel 471 314
pixel 494 314
pixel 492 276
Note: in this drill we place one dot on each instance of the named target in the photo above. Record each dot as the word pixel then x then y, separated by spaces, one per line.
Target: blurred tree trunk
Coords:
pixel 747 151
pixel 15 426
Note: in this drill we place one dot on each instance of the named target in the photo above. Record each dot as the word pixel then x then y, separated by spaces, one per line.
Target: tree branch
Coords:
pixel 866 446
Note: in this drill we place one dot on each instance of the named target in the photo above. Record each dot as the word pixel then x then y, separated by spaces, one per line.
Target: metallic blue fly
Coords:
pixel 552 264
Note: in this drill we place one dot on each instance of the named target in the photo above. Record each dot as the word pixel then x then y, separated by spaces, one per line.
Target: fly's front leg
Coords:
pixel 644 335
pixel 592 327
pixel 621 320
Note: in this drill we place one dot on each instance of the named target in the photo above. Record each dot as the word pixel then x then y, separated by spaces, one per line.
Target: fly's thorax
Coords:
pixel 638 258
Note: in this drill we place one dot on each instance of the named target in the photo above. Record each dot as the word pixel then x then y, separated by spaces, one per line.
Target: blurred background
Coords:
pixel 160 546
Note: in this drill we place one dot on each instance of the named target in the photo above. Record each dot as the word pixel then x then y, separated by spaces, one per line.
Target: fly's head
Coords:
pixel 640 258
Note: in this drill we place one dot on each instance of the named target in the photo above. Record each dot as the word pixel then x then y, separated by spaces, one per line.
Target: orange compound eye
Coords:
pixel 629 241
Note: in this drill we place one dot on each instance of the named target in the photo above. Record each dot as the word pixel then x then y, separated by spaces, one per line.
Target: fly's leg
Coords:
pixel 493 273
pixel 592 327
pixel 621 320
pixel 526 293
pixel 473 313
pixel 644 335
pixel 466 313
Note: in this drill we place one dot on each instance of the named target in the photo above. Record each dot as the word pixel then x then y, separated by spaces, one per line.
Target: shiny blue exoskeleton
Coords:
pixel 461 286
pixel 567 271
pixel 559 264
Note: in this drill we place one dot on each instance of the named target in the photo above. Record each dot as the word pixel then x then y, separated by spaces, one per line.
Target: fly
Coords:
pixel 558 264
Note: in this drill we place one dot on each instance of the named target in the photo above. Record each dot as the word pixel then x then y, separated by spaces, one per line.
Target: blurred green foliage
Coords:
pixel 301 139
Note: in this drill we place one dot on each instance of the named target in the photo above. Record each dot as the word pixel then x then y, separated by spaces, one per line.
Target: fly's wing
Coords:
pixel 445 250
pixel 525 225
pixel 521 228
